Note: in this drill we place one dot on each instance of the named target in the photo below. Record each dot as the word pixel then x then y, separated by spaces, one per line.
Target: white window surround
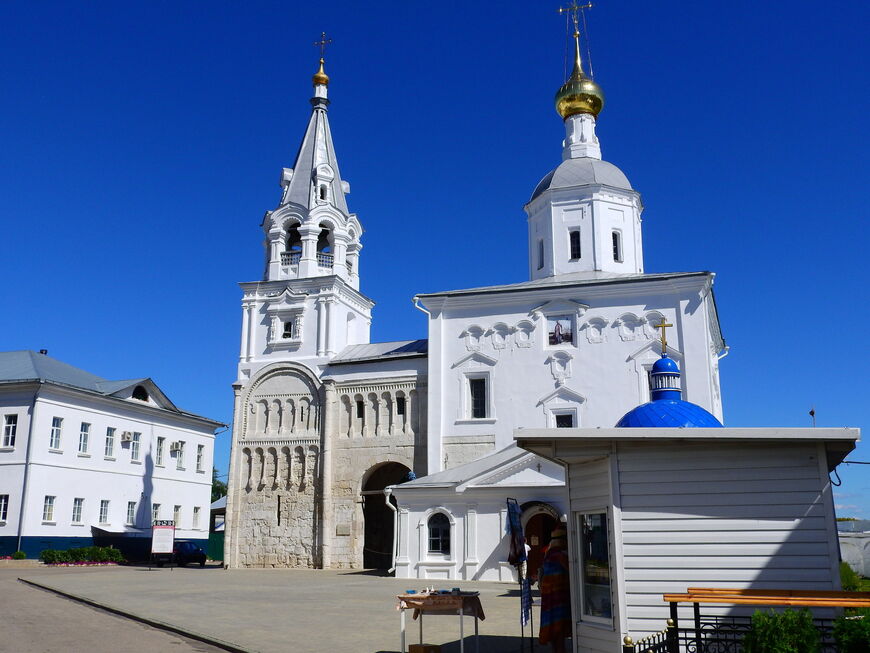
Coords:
pixel 277 320
pixel 56 432
pixel 104 511
pixel 465 393
pixel 200 456
pixel 155 512
pixel 159 454
pixel 109 447
pixel 179 457
pixel 131 513
pixel 423 534
pixel 196 513
pixel 78 507
pixel 4 508
pixel 84 436
pixel 135 447
pixel 10 427
pixel 618 249
pixel 48 509
pixel 176 516
pixel 556 411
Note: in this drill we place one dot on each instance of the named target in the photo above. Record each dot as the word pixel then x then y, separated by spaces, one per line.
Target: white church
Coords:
pixel 330 430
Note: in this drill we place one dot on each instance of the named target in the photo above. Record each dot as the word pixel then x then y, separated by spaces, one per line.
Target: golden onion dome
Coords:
pixel 320 77
pixel 579 94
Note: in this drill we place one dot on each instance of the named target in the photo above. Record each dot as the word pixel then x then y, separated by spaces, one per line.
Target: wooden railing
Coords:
pixel 724 634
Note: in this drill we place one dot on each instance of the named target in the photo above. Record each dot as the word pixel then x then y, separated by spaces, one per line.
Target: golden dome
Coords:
pixel 579 94
pixel 320 77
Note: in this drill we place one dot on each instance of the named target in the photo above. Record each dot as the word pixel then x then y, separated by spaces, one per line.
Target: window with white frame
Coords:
pixel 574 242
pixel 109 449
pixel 10 426
pixel 179 456
pixel 104 511
pixel 131 513
pixel 477 397
pixel 540 254
pixel 155 512
pixel 617 246
pixel 56 426
pixel 594 572
pixel 200 454
pixel 4 507
pixel 196 510
pixel 78 505
pixel 48 508
pixel 439 534
pixel 176 515
pixel 161 445
pixel 564 419
pixel 84 436
pixel 135 445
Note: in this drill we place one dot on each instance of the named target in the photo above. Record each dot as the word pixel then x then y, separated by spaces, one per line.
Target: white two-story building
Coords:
pixel 85 460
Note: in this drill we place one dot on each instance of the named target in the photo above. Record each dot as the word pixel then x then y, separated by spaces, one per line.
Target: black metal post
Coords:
pixel 697 609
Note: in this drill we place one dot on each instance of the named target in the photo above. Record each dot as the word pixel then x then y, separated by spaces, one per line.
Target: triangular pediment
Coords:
pixel 474 357
pixel 152 395
pixel 560 306
pixel 285 298
pixel 528 470
pixel 562 393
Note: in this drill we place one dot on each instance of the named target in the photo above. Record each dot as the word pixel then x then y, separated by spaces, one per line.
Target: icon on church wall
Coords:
pixel 560 330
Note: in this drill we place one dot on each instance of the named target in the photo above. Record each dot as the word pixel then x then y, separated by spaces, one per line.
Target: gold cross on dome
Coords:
pixel 663 325
pixel 574 8
pixel 322 43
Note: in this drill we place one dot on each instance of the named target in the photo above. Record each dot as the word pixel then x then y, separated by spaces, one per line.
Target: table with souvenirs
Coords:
pixel 441 602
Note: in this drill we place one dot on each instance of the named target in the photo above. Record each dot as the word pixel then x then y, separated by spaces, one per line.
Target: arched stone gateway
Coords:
pixel 538 519
pixel 377 516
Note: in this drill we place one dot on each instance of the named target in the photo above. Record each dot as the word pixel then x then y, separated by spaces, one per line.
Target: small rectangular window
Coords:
pixel 200 454
pixel 176 515
pixel 565 421
pixel 54 440
pixel 477 388
pixel 109 450
pixel 48 508
pixel 131 513
pixel 196 516
pixel 78 504
pixel 135 443
pixel 10 426
pixel 617 246
pixel 179 456
pixel 360 409
pixel 155 512
pixel 161 445
pixel 540 254
pixel 84 434
pixel 575 244
pixel 400 405
pixel 104 511
pixel 288 330
pixel 594 565
pixel 4 507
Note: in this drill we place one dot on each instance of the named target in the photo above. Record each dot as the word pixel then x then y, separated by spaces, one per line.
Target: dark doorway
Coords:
pixel 378 543
pixel 537 532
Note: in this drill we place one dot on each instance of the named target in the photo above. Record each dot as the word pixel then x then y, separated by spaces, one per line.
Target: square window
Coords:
pixel 565 420
pixel 10 426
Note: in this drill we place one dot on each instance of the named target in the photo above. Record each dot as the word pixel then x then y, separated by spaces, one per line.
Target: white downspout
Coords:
pixel 387 492
pixel 419 306
pixel 27 465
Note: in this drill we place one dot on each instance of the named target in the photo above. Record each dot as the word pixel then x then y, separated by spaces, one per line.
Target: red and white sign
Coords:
pixel 162 536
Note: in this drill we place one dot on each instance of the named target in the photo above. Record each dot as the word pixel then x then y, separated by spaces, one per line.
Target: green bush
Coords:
pixel 850 581
pixel 82 554
pixel 852 634
pixel 790 631
pixel 19 555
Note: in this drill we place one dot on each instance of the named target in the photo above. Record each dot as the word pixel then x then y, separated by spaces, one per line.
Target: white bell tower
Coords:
pixel 584 215
pixel 308 306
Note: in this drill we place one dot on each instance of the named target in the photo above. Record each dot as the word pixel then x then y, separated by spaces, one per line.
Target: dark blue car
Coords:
pixel 187 552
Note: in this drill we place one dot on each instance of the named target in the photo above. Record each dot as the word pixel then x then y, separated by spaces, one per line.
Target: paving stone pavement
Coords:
pixel 298 610
pixel 36 621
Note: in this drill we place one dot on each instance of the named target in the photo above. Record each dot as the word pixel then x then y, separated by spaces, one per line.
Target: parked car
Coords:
pixel 187 552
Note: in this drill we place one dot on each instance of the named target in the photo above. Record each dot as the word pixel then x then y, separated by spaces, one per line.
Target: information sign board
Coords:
pixel 162 536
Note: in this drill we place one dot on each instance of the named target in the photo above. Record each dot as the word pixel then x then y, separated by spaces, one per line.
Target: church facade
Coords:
pixel 330 430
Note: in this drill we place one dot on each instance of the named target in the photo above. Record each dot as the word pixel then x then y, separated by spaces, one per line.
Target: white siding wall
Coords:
pixel 758 516
pixel 589 490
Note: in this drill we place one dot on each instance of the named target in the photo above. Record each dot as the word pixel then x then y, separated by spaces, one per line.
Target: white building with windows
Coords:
pixel 85 460
pixel 325 421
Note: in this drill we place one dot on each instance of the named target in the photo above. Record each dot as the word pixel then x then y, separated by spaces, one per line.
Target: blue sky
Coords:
pixel 142 143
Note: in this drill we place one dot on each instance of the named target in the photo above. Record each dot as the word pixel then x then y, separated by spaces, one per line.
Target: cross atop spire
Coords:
pixel 574 8
pixel 323 42
pixel 663 325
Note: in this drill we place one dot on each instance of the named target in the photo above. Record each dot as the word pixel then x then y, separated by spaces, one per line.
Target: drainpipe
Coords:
pixel 387 492
pixel 724 353
pixel 419 306
pixel 27 466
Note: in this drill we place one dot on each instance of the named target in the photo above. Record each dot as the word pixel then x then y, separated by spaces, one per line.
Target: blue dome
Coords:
pixel 665 365
pixel 668 412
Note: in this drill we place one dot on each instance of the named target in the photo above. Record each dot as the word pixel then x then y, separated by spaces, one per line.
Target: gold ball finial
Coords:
pixel 579 94
pixel 628 641
pixel 320 77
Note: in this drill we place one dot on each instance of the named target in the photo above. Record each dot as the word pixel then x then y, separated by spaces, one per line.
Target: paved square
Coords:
pixel 296 610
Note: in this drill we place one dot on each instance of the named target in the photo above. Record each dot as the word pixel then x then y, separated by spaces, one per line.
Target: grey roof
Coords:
pixel 27 365
pixel 565 280
pixel 468 471
pixel 581 172
pixel 316 148
pixel 376 351
pixel 220 503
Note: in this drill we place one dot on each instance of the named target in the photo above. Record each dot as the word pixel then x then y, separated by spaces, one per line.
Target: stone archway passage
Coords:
pixel 378 518
pixel 541 522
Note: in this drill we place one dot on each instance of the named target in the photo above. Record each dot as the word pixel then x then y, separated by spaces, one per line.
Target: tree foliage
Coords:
pixel 790 631
pixel 218 487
